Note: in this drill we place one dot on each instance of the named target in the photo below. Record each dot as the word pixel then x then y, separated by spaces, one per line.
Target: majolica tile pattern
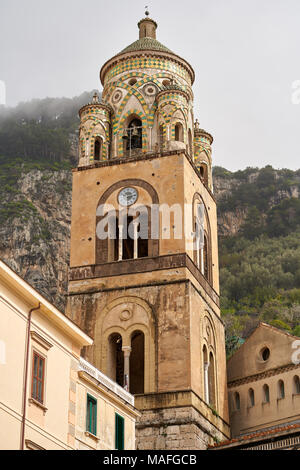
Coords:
pixel 148 63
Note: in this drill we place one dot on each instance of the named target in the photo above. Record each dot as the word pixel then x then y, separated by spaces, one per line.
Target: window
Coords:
pixel 211 381
pixel 205 257
pixel 137 363
pixel 205 372
pixel 251 399
pixel 133 136
pixel 265 354
pixel 38 375
pixel 237 401
pixel 179 132
pixel 98 149
pixel 280 386
pixel 266 394
pixel 115 359
pixel 91 415
pixel 296 385
pixel 119 432
pixel 204 173
pixel 132 81
pixel 132 236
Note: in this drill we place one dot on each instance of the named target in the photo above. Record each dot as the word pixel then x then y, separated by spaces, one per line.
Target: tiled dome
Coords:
pixel 146 43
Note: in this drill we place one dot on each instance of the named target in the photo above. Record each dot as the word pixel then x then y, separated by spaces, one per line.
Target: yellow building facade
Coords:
pixel 147 290
pixel 45 387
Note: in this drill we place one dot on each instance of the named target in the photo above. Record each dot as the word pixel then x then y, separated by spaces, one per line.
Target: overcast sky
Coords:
pixel 245 54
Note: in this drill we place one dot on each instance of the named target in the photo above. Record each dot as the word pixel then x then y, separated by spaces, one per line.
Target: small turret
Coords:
pixel 94 131
pixel 202 154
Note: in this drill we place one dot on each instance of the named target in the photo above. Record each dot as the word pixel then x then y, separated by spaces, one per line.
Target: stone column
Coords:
pixel 202 260
pixel 135 239
pixel 126 350
pixel 120 242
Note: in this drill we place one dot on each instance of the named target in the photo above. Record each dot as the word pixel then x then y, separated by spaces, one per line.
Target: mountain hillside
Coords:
pixel 259 248
pixel 258 217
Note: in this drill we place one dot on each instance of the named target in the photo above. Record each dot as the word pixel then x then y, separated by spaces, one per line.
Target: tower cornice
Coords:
pixel 100 105
pixel 173 89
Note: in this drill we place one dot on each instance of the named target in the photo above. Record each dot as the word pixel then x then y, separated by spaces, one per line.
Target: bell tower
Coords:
pixel 143 277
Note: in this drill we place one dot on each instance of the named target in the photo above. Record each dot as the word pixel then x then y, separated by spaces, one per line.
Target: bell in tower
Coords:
pixel 143 278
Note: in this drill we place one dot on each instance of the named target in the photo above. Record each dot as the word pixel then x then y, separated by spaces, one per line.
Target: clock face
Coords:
pixel 127 196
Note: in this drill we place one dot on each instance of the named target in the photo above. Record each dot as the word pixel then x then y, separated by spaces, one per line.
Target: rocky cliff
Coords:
pixel 35 230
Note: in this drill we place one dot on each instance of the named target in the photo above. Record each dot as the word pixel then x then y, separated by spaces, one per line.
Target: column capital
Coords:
pixel 126 350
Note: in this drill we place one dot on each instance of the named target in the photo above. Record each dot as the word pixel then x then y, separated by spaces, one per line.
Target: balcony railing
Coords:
pixel 106 381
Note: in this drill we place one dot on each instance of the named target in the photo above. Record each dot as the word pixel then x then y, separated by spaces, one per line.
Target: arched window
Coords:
pixel 133 136
pixel 131 239
pixel 296 385
pixel 251 398
pixel 280 389
pixel 115 359
pixel 127 231
pixel 179 132
pixel 211 380
pixel 137 363
pixel 98 149
pixel 204 173
pixel 205 257
pixel 205 374
pixel 237 401
pixel 132 81
pixel 202 255
pixel 266 394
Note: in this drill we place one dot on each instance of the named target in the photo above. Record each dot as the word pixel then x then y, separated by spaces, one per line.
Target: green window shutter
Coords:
pixel 91 415
pixel 119 432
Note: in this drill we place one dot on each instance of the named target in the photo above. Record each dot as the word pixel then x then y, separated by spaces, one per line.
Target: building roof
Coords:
pixel 258 326
pixel 257 436
pixel 146 44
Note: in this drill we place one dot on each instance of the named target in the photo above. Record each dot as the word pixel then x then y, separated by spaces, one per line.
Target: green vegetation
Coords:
pixel 40 131
pixel 260 266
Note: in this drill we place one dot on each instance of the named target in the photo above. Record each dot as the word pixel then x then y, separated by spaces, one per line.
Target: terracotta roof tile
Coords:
pixel 255 435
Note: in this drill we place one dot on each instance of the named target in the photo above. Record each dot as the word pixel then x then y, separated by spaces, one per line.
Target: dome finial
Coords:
pixel 147 26
pixel 95 98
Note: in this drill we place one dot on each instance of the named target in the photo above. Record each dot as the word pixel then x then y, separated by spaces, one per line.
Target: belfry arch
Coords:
pixel 129 319
pixel 202 255
pixel 102 246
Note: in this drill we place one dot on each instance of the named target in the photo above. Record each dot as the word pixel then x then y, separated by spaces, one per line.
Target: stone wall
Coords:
pixel 181 428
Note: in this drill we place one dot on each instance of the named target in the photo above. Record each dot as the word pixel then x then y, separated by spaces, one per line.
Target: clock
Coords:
pixel 127 196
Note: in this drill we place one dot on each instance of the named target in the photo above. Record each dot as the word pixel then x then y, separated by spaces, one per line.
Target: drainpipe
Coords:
pixel 27 340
